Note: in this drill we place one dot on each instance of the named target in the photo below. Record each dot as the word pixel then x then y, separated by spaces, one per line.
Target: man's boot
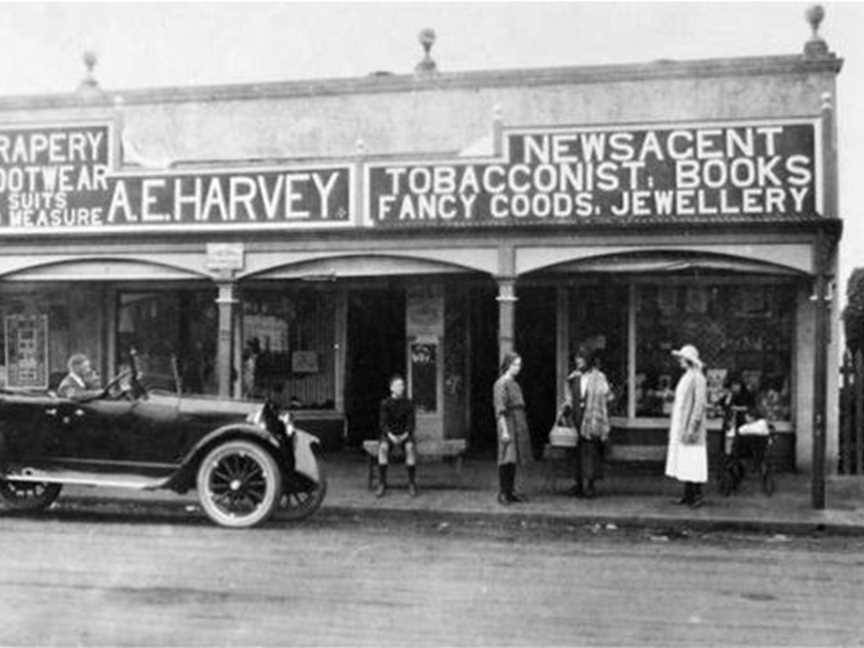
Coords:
pixel 412 483
pixel 511 485
pixel 502 485
pixel 382 480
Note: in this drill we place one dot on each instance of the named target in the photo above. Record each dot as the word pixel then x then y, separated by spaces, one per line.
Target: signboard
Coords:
pixel 602 174
pixel 53 176
pixel 424 310
pixel 225 256
pixel 26 340
pixel 62 178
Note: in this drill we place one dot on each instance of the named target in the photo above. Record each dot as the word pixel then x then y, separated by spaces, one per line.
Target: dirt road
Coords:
pixel 73 578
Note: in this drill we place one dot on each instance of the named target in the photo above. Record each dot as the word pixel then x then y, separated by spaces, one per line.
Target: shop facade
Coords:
pixel 304 241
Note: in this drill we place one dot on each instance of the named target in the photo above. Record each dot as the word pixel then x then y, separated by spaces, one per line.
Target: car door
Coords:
pixel 30 429
pixel 89 435
pixel 154 436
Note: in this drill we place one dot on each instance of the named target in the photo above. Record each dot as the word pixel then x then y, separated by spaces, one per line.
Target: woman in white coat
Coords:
pixel 687 457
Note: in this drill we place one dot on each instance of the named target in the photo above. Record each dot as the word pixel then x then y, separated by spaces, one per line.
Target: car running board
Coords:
pixel 115 480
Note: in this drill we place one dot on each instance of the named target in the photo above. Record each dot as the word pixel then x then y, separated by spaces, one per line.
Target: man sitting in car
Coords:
pixel 82 381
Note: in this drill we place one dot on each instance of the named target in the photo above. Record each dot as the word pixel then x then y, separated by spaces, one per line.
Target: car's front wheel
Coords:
pixel 239 484
pixel 28 496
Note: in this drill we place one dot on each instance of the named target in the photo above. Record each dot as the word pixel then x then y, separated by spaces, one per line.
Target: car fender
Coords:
pixel 305 461
pixel 185 476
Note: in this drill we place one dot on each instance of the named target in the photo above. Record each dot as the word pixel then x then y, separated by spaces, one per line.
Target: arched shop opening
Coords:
pixel 331 331
pixel 748 318
pixel 105 307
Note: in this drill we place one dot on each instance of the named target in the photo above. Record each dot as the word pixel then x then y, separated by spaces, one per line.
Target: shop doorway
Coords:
pixel 483 352
pixel 376 350
pixel 535 342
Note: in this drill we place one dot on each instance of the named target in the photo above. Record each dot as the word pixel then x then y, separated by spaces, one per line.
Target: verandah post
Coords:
pixel 821 296
pixel 506 299
pixel 226 302
pixel 506 315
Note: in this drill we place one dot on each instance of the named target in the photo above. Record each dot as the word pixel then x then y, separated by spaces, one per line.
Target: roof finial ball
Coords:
pixel 89 82
pixel 427 40
pixel 816 46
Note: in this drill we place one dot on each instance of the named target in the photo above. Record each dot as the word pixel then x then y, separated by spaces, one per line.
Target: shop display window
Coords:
pixel 41 327
pixel 598 325
pixel 742 332
pixel 174 336
pixel 288 352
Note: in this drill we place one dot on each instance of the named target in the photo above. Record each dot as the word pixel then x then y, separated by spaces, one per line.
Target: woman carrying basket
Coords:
pixel 588 395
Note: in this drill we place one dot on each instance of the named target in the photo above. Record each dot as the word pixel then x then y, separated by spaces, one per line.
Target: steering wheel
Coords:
pixel 114 389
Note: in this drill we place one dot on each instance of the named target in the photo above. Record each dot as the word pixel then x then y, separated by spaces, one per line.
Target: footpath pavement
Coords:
pixel 626 498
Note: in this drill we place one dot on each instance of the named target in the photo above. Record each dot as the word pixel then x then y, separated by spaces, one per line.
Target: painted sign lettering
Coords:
pixel 603 174
pixel 62 178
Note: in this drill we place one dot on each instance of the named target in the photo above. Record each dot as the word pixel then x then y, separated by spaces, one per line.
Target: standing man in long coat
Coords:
pixel 687 457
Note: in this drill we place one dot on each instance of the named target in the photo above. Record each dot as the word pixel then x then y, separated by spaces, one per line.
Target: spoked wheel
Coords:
pixel 28 496
pixel 239 484
pixel 302 504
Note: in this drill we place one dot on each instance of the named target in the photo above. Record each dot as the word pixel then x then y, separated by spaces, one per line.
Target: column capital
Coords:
pixel 506 289
pixel 226 291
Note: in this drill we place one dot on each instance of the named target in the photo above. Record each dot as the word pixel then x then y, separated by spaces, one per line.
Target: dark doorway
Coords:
pixel 376 350
pixel 535 342
pixel 484 367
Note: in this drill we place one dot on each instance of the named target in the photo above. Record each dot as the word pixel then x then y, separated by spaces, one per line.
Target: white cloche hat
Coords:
pixel 690 353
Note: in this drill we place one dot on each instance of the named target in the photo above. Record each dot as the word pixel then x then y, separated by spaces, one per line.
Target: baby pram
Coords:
pixel 747 444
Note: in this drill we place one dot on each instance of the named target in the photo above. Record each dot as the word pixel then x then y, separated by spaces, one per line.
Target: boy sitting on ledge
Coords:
pixel 396 423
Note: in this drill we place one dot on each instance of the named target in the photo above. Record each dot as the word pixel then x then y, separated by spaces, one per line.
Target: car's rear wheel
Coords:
pixel 303 503
pixel 239 484
pixel 28 496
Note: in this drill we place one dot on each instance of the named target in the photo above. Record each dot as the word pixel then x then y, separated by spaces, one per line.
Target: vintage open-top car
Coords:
pixel 244 458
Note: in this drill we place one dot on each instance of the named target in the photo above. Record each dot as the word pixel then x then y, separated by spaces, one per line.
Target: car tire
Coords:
pixel 301 504
pixel 239 484
pixel 28 496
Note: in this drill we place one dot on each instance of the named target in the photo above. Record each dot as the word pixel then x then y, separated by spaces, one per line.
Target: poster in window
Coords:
pixel 304 362
pixel 26 338
pixel 424 375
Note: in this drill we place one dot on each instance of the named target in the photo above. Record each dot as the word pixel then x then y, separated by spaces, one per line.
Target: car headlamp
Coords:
pixel 256 417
